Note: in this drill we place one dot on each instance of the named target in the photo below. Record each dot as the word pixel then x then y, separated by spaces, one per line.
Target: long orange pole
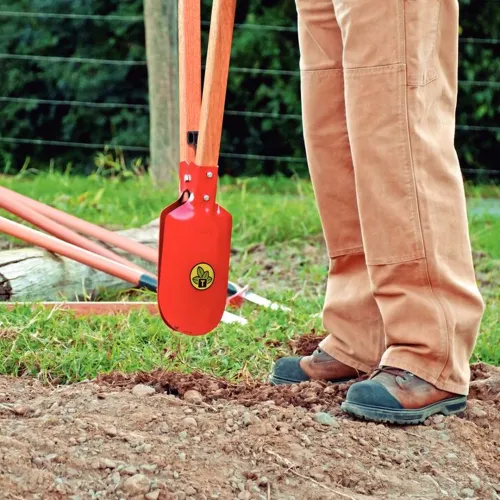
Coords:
pixel 82 226
pixel 77 254
pixel 189 75
pixel 215 85
pixel 24 211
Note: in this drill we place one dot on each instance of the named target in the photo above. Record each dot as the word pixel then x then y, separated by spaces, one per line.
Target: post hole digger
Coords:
pixel 81 249
pixel 195 232
pixel 120 268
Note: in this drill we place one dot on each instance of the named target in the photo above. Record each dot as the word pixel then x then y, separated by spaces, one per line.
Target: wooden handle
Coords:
pixel 215 86
pixel 189 73
pixel 87 228
pixel 9 202
pixel 70 251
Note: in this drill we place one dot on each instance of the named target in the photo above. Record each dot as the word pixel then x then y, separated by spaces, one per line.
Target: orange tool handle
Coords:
pixel 24 211
pixel 77 254
pixel 215 85
pixel 110 237
pixel 189 76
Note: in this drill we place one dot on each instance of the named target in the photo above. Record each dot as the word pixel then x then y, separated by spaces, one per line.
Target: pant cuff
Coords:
pixel 407 363
pixel 344 358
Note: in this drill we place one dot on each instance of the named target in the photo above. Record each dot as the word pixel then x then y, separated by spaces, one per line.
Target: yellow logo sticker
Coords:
pixel 202 276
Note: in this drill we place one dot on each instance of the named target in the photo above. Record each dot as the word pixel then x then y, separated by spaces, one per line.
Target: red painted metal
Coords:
pixel 195 247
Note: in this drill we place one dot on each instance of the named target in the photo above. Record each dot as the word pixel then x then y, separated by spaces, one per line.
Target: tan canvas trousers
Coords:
pixel 379 88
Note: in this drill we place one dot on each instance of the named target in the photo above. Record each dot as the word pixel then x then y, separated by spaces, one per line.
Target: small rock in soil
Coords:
pixel 136 485
pixel 115 478
pixel 438 419
pixel 21 409
pixel 129 471
pixel 467 493
pixel 325 419
pixel 189 423
pixel 478 412
pixel 108 464
pixel 476 482
pixel 144 448
pixel 141 390
pixel 193 396
pixel 153 495
pixel 149 467
pixel 190 491
pixel 249 419
pixel 110 430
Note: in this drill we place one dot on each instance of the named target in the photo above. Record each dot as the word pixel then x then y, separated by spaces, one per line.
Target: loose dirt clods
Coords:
pixel 199 437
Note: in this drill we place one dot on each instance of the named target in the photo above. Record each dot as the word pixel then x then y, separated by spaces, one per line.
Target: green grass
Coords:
pixel 256 208
pixel 278 238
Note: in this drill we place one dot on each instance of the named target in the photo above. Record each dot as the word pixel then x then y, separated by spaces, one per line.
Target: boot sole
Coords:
pixel 404 417
pixel 283 381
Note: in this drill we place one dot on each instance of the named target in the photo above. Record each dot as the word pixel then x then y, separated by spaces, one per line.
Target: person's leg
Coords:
pixel 351 315
pixel 400 72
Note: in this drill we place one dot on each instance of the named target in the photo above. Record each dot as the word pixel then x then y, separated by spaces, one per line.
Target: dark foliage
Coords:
pixel 258 92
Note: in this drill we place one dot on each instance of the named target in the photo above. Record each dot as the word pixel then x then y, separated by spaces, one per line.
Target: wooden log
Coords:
pixel 31 274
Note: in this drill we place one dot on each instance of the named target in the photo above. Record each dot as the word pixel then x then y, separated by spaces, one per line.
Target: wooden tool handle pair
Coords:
pixel 203 116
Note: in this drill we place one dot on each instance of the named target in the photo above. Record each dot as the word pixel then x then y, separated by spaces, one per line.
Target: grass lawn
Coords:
pixel 277 236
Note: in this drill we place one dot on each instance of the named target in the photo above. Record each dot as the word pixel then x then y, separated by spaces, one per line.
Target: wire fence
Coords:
pixel 136 19
pixel 233 69
pixel 145 107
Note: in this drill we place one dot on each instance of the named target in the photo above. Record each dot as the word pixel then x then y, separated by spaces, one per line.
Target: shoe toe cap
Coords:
pixel 370 393
pixel 288 371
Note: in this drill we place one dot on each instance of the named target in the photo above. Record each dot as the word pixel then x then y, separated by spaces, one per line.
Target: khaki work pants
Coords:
pixel 379 88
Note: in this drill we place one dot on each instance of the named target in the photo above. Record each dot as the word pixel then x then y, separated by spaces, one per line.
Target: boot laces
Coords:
pixel 396 372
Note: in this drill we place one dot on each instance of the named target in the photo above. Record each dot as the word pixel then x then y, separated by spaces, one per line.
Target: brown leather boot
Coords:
pixel 399 397
pixel 318 366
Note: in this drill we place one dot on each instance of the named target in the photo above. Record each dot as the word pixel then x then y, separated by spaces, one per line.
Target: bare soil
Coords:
pixel 198 437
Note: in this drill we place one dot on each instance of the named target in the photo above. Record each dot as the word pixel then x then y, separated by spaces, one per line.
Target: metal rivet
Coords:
pixel 187 178
pixel 206 197
pixel 210 175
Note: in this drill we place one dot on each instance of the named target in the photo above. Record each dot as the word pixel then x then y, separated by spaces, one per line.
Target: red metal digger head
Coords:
pixel 195 246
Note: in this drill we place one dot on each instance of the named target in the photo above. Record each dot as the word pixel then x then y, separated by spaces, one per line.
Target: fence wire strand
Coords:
pixel 145 107
pixel 236 156
pixel 140 18
pixel 82 104
pixel 233 69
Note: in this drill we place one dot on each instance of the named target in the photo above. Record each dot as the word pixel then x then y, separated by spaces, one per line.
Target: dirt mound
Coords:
pixel 309 395
pixel 305 345
pixel 485 383
pixel 317 395
pixel 144 436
